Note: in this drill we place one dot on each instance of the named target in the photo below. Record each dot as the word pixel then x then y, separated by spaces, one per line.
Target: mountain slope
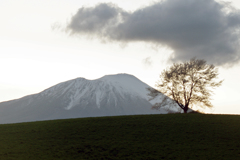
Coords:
pixel 120 94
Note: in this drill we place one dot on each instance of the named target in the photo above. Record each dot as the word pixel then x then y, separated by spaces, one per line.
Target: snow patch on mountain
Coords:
pixel 123 85
pixel 127 83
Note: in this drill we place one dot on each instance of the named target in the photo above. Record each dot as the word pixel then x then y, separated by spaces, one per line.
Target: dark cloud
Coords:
pixel 191 28
pixel 96 20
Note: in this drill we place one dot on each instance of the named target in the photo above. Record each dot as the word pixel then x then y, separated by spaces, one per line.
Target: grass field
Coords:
pixel 172 136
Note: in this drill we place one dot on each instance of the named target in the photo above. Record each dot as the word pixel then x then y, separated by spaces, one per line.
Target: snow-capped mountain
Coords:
pixel 120 94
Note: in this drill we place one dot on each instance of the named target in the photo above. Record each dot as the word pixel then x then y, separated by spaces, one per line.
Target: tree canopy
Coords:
pixel 188 83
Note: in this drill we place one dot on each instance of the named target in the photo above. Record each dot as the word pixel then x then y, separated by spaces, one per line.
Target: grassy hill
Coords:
pixel 172 136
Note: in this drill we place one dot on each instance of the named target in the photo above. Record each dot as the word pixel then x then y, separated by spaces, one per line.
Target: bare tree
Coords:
pixel 187 84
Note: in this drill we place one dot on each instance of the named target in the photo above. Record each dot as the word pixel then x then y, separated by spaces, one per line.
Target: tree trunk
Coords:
pixel 185 109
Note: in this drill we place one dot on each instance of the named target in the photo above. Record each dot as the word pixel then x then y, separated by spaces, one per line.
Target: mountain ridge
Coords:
pixel 110 95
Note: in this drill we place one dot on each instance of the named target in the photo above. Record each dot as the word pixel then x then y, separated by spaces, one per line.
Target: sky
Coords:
pixel 44 42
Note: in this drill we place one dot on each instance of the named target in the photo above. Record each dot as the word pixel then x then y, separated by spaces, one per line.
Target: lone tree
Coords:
pixel 187 84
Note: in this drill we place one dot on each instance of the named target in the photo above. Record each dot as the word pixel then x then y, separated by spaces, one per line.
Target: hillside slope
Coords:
pixel 169 136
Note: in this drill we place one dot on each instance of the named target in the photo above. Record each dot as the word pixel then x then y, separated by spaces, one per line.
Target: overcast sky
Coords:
pixel 46 42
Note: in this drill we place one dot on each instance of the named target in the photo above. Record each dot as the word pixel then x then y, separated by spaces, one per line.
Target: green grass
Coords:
pixel 172 136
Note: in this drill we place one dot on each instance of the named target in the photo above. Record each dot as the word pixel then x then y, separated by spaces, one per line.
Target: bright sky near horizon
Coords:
pixel 36 52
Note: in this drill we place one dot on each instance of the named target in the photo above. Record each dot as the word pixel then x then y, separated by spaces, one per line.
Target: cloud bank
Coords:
pixel 204 29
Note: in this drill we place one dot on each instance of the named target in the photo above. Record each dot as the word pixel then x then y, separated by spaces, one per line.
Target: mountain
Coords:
pixel 111 95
